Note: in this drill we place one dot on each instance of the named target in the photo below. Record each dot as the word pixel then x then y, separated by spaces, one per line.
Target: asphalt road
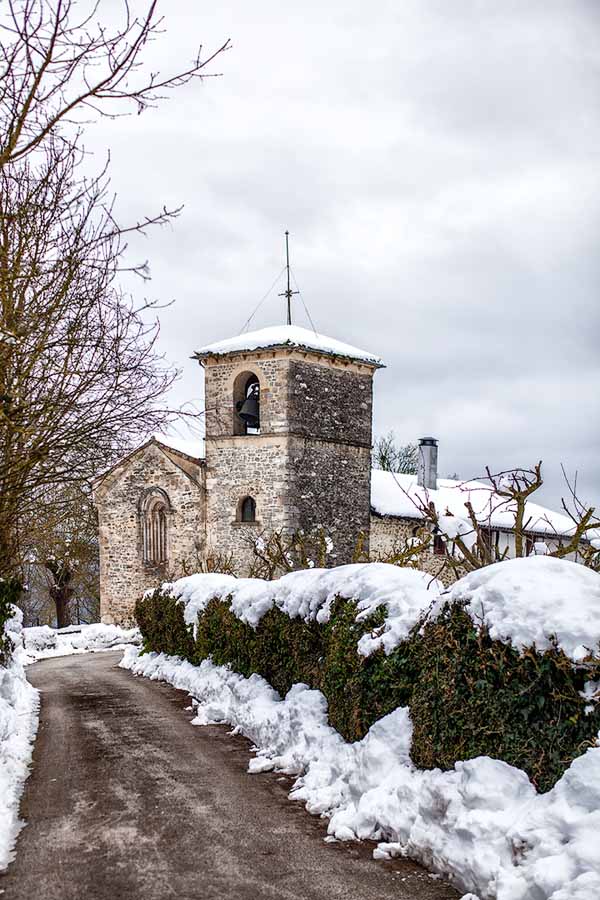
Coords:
pixel 127 800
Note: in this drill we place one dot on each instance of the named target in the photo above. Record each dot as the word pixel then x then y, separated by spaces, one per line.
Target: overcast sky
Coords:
pixel 437 166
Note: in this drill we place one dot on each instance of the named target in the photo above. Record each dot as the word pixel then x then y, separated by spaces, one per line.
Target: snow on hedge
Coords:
pixel 527 600
pixel 19 708
pixel 42 641
pixel 482 824
pixel 522 600
pixel 308 594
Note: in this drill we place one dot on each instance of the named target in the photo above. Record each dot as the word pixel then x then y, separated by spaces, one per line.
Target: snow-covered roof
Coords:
pixel 400 495
pixel 191 447
pixel 287 336
pixel 175 445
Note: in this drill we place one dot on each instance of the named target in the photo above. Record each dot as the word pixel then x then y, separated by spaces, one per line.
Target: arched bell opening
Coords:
pixel 246 404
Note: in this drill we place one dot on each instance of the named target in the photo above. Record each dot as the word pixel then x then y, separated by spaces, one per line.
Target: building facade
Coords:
pixel 287 450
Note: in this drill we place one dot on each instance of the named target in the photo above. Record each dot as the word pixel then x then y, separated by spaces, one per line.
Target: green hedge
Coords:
pixel 10 590
pixel 468 694
pixel 477 696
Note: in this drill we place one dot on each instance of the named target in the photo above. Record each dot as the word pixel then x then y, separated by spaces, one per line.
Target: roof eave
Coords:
pixel 505 529
pixel 201 355
pixel 97 481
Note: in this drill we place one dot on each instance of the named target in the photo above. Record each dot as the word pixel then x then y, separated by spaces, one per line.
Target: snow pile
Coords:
pixel 287 336
pixel 482 824
pixel 309 594
pixel 395 494
pixel 42 642
pixel 19 706
pixel 527 600
pixel 39 639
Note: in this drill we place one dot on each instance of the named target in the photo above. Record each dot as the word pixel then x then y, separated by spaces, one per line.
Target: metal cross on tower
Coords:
pixel 288 293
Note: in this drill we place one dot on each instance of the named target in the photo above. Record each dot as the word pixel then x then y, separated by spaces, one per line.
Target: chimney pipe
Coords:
pixel 427 464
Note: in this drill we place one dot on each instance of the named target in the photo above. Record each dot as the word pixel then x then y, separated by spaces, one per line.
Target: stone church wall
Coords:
pixel 389 534
pixel 330 489
pixel 239 467
pixel 331 403
pixel 310 466
pixel 123 573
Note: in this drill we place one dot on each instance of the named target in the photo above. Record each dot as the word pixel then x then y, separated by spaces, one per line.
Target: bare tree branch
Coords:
pixel 59 69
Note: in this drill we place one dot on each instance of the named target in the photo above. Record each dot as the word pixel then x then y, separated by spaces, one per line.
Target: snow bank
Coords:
pixel 287 336
pixel 482 824
pixel 42 642
pixel 39 638
pixel 308 594
pixel 528 600
pixel 19 706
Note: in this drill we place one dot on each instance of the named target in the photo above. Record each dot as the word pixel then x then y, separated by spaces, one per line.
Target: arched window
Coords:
pixel 246 400
pixel 248 510
pixel 154 521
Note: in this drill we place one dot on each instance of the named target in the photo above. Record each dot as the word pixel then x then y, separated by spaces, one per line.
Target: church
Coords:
pixel 288 416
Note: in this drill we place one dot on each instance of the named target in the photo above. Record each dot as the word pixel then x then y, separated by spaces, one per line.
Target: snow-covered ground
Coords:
pixel 482 824
pixel 19 708
pixel 42 642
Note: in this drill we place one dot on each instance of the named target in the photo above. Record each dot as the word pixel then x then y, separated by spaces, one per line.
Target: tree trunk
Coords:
pixel 60 594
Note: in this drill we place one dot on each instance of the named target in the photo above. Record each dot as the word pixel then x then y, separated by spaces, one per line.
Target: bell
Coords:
pixel 249 410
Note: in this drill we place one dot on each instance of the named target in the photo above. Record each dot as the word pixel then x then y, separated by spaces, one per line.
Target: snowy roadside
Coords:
pixel 43 642
pixel 482 824
pixel 19 712
pixel 19 705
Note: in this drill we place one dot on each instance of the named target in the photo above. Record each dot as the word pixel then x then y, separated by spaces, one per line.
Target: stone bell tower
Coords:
pixel 288 439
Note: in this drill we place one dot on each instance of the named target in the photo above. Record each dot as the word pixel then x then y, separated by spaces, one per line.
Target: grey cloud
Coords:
pixel 437 166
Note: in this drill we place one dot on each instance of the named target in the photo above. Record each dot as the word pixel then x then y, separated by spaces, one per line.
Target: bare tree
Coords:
pixel 277 552
pixel 60 67
pixel 585 524
pixel 468 542
pixel 80 376
pixel 390 456
pixel 62 556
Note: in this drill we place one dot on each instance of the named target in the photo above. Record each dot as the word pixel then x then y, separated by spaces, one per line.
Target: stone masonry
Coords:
pixel 163 513
pixel 124 574
pixel 390 535
pixel 309 467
